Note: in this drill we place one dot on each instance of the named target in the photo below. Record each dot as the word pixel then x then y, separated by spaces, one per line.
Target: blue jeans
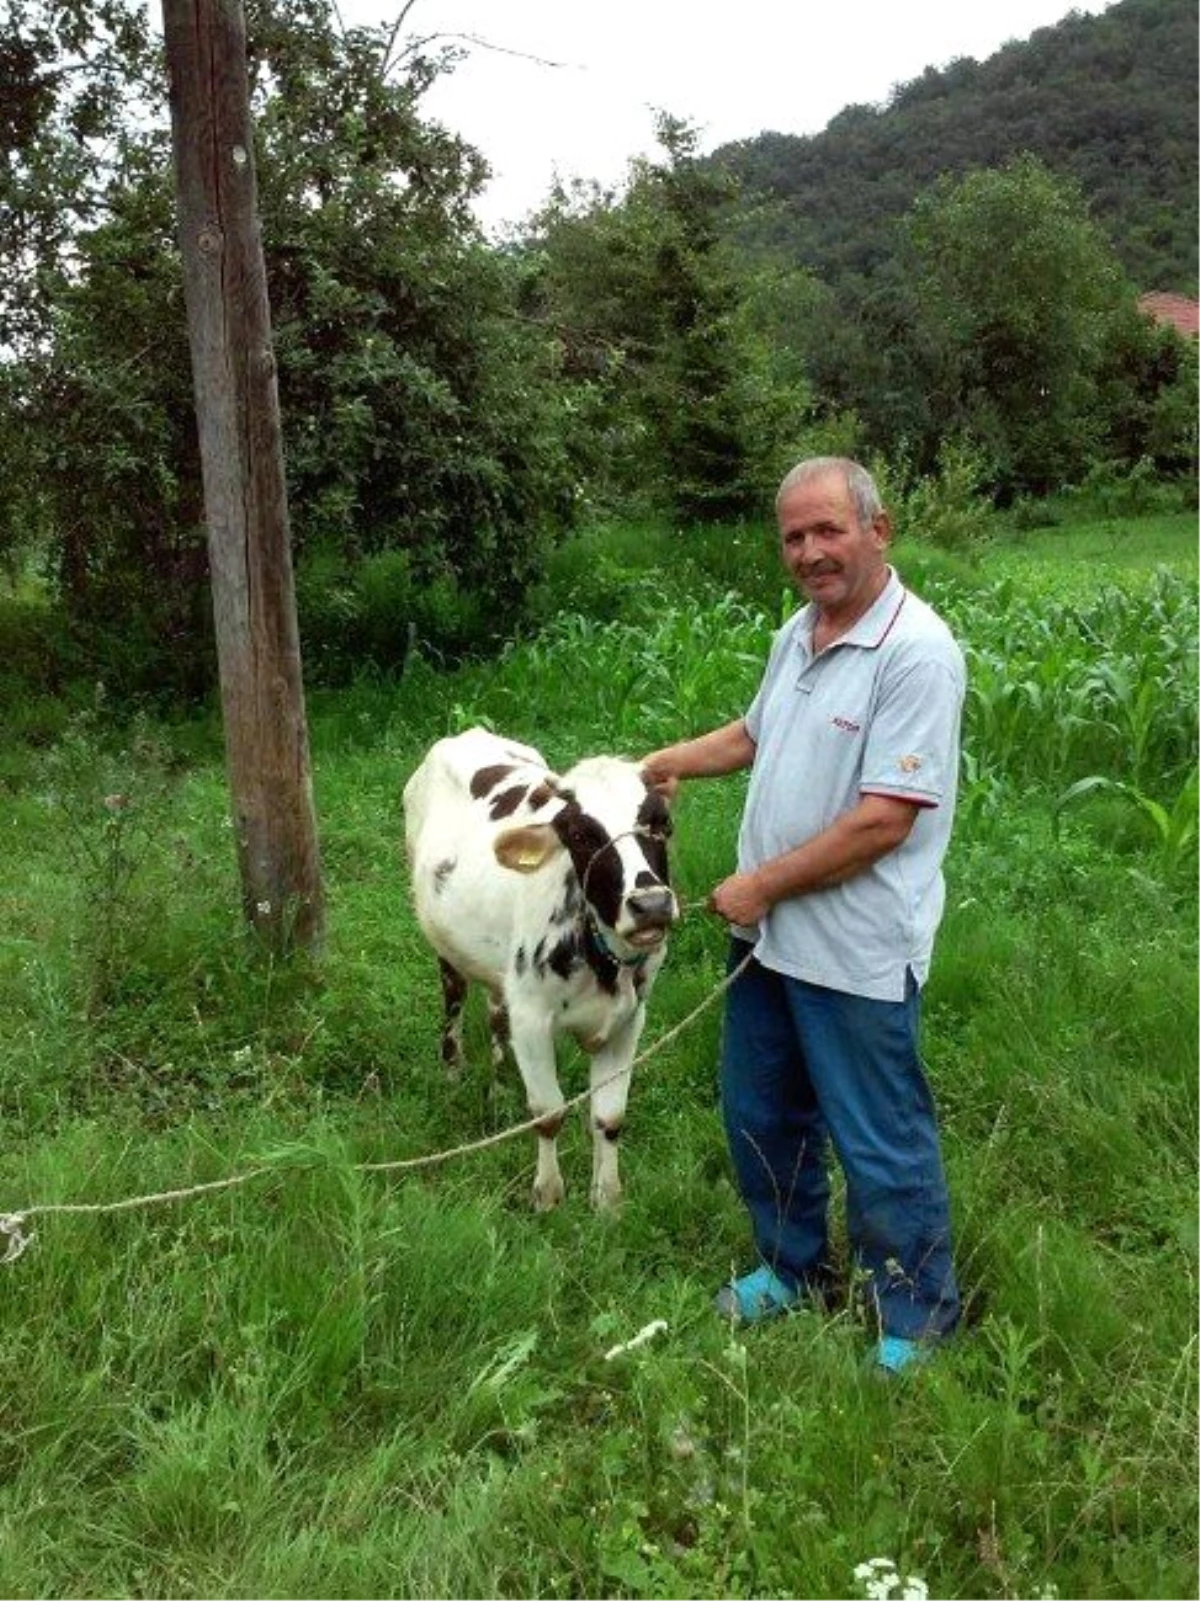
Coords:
pixel 803 1066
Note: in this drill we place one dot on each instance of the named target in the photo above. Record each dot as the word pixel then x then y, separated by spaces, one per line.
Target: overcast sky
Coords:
pixel 734 71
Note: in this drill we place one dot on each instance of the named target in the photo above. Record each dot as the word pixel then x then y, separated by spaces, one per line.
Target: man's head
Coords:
pixel 834 535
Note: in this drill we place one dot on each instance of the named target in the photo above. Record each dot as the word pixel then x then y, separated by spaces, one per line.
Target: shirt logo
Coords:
pixel 846 724
pixel 909 764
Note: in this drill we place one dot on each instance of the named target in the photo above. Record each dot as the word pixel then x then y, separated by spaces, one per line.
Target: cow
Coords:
pixel 554 894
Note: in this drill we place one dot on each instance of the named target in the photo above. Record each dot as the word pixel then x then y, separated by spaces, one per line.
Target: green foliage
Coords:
pixel 972 242
pixel 1174 826
pixel 1023 294
pixel 1172 429
pixel 1107 101
pixel 73 72
pixel 1111 491
pixel 643 307
pixel 948 509
pixel 417 417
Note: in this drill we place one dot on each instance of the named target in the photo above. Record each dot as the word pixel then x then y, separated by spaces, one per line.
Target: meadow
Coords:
pixel 329 1381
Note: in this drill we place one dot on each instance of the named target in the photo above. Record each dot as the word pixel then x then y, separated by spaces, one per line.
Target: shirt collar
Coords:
pixel 875 624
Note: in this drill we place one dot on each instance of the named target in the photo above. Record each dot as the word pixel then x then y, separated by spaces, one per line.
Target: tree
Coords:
pixel 642 301
pixel 1171 435
pixel 1023 294
pixel 425 477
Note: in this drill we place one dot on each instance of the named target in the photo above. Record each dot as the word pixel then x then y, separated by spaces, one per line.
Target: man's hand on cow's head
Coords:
pixel 659 776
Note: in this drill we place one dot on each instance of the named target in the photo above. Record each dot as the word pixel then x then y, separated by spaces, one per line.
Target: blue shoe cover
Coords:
pixel 755 1297
pixel 895 1354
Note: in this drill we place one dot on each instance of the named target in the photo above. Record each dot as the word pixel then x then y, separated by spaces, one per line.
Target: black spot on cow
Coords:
pixel 565 957
pixel 506 803
pixel 486 778
pixel 499 1024
pixel 520 961
pixel 596 862
pixel 441 873
pixel 605 968
pixel 611 1131
pixel 454 994
pixel 568 909
pixel 654 814
pixel 654 823
pixel 454 987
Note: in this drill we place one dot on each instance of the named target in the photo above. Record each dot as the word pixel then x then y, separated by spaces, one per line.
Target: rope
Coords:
pixel 13 1224
pixel 532 1123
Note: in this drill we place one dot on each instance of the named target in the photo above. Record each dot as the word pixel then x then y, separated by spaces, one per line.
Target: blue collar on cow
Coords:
pixel 604 950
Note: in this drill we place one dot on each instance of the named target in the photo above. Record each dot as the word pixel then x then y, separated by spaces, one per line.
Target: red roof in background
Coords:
pixel 1178 310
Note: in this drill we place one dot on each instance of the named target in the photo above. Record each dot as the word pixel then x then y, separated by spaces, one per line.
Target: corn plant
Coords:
pixel 1175 826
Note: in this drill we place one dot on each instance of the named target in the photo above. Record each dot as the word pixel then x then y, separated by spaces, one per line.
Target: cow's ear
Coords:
pixel 527 848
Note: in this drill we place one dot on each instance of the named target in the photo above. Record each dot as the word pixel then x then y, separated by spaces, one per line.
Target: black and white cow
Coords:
pixel 553 892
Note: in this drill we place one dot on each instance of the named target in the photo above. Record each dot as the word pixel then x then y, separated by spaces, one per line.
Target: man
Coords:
pixel 852 741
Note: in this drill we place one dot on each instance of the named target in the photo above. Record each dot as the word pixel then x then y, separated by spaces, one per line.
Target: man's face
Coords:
pixel 836 562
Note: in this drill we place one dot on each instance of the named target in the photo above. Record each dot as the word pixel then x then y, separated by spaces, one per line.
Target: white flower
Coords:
pixel 879 1580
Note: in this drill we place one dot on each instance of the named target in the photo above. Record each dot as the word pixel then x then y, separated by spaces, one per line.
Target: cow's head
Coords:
pixel 614 827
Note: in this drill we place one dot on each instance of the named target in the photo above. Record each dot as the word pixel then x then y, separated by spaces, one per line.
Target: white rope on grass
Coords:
pixel 12 1224
pixel 20 1238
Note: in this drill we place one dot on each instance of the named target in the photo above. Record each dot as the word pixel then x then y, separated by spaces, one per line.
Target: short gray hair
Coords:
pixel 859 484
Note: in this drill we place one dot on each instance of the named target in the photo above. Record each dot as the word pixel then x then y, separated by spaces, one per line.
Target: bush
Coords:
pixel 1112 489
pixel 1028 513
pixel 948 509
pixel 367 616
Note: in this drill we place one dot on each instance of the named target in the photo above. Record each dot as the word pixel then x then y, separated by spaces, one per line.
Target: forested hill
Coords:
pixel 1110 100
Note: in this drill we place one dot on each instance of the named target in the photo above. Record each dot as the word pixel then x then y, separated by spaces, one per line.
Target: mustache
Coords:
pixel 818 569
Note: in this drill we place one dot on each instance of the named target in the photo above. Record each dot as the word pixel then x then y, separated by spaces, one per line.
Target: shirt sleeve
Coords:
pixel 912 744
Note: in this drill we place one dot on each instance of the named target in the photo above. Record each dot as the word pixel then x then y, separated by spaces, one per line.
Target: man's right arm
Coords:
pixel 724 750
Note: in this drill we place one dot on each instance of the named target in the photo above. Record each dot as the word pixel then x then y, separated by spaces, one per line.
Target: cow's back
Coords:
pixel 468 789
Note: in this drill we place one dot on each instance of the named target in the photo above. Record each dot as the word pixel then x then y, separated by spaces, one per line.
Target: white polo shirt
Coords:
pixel 878 712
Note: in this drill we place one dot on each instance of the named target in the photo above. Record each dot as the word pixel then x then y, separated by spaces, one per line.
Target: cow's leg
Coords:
pixel 454 995
pixel 611 1066
pixel 533 1047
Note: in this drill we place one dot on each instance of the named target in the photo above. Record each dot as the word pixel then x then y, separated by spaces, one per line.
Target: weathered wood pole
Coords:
pixel 241 449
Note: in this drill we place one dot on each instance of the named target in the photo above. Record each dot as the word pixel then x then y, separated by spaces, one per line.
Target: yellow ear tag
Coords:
pixel 527 860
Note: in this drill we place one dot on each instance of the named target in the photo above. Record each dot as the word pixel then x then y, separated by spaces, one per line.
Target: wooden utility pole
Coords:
pixel 241 449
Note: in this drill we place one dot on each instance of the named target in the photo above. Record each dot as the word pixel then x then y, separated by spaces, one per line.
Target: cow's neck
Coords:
pixel 601 957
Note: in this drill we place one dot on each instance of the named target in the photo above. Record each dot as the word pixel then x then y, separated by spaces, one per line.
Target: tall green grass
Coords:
pixel 332 1382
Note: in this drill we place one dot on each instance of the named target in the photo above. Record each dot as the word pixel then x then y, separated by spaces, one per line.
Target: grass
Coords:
pixel 1106 547
pixel 329 1382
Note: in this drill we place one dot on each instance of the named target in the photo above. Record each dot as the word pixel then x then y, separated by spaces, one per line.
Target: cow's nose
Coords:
pixel 652 905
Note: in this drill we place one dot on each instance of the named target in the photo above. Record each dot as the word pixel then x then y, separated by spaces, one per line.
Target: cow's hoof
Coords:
pixel 546 1196
pixel 607 1198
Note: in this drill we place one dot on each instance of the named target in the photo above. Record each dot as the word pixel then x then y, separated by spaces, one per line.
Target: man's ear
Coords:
pixel 528 847
pixel 882 524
